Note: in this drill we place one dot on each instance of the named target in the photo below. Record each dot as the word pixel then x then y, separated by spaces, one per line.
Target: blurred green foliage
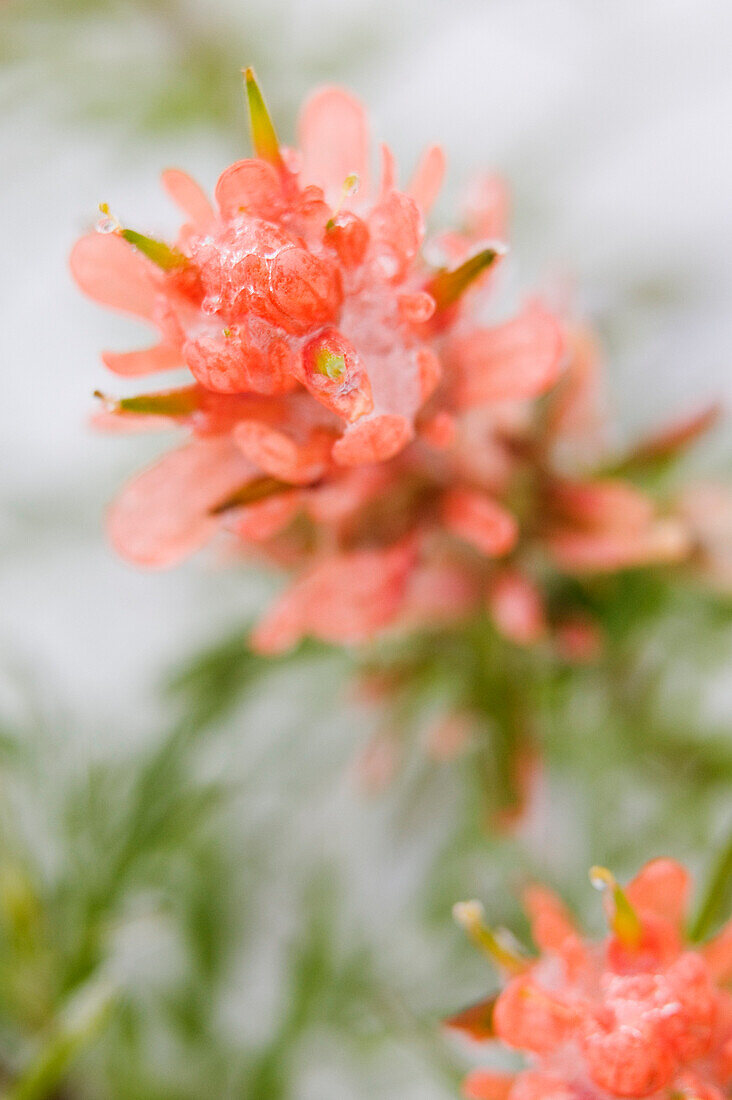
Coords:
pixel 122 60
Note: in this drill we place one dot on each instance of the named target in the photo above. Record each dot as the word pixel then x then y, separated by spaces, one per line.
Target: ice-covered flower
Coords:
pixel 336 364
pixel 641 1013
pixel 350 417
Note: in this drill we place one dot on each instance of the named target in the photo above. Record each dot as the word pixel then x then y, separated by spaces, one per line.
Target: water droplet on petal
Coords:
pixel 106 223
pixel 599 878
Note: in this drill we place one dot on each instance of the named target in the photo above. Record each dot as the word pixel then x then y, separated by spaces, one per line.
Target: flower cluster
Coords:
pixel 343 388
pixel 350 417
pixel 642 1013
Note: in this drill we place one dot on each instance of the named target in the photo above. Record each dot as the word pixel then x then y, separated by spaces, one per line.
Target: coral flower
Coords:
pixel 333 368
pixel 642 1013
pixel 349 416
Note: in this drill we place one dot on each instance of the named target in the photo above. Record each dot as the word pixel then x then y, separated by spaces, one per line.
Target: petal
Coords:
pixel 189 197
pixel 345 599
pixel 718 954
pixel 388 171
pixel 479 520
pixel 537 1085
pixel 605 551
pixel 249 185
pixel 145 361
pixel 333 372
pixel 675 437
pixel 482 1085
pixel 343 494
pixel 486 208
pixel 446 739
pixel 517 608
pixel 551 923
pixel 240 358
pixel 108 421
pixel 439 592
pixel 429 372
pixel 532 1018
pixel 396 229
pixel 373 439
pixel 609 504
pixel 662 887
pixel 439 430
pixel 266 518
pixel 511 362
pixel 579 640
pixel 164 514
pixel 427 179
pixel 305 288
pixel 282 457
pixel 110 270
pixel 334 141
pixel 576 414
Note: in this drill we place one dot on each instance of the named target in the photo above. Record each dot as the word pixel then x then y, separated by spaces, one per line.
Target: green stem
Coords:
pixel 715 896
pixel 78 1025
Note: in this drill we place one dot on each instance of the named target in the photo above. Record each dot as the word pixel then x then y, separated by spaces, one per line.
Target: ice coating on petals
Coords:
pixel 333 371
pixel 306 289
pixel 248 187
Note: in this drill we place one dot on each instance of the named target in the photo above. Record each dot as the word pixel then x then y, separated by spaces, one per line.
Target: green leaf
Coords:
pixel 447 286
pixel 167 258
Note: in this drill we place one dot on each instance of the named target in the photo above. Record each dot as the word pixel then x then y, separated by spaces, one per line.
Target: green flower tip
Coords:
pixel 623 918
pixel 174 403
pixel 160 253
pixel 447 286
pixel 264 137
pixel 498 945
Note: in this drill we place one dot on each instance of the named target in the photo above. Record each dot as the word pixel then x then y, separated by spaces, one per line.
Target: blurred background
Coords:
pixel 199 899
